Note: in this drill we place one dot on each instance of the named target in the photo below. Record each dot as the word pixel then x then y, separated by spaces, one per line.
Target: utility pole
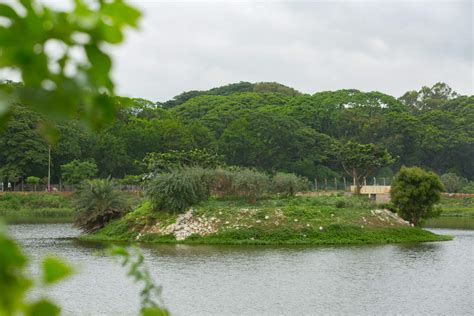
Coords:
pixel 49 168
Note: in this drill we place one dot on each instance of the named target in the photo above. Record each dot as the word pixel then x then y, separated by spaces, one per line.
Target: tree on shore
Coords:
pixel 414 192
pixel 77 171
pixel 361 160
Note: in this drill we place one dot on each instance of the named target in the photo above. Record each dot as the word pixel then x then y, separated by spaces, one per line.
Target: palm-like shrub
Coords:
pixel 97 203
pixel 288 184
pixel 178 189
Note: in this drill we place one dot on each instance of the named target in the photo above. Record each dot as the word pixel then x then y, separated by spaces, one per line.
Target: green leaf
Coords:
pixel 54 270
pixel 118 251
pixel 100 66
pixel 7 11
pixel 43 308
pixel 154 311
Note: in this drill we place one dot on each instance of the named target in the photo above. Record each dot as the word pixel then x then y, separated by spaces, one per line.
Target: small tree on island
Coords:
pixel 34 181
pixel 414 192
pixel 76 171
pixel 361 160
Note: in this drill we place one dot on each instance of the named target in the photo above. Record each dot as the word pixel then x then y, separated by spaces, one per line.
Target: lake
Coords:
pixel 419 278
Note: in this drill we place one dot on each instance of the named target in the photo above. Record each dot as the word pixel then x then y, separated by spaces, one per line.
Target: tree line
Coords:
pixel 266 126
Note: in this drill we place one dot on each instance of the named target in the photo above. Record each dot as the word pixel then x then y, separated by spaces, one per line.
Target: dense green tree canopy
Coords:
pixel 254 125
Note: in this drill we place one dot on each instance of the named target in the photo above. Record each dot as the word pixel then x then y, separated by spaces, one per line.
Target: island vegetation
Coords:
pixel 220 166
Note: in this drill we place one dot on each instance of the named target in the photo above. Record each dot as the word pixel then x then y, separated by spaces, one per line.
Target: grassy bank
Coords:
pixel 452 207
pixel 43 207
pixel 36 207
pixel 456 213
pixel 300 220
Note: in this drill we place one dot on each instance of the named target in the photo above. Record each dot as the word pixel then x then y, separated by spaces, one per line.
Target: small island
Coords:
pixel 311 220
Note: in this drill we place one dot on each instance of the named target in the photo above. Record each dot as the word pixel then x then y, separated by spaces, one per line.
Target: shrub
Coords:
pixel 131 180
pixel 250 184
pixel 288 183
pixel 468 188
pixel 97 203
pixel 221 183
pixel 340 204
pixel 414 192
pixel 452 182
pixel 178 189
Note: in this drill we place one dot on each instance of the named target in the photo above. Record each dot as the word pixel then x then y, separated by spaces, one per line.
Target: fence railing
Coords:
pixel 57 188
pixel 344 183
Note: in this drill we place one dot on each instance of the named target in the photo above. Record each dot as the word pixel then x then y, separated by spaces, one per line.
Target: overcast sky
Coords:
pixel 389 46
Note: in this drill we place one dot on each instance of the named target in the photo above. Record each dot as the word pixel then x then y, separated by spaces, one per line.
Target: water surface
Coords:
pixel 420 278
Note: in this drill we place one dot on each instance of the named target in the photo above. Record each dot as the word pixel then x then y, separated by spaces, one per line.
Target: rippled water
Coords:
pixel 423 278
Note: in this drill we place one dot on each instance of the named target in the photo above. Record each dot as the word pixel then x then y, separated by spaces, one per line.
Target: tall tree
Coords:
pixel 361 160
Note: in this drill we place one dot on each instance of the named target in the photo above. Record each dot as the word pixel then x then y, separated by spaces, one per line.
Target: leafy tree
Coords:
pixel 429 98
pixel 414 192
pixel 34 181
pixel 77 171
pixel 233 88
pixel 452 182
pixel 97 203
pixel 63 85
pixel 271 141
pixel 361 160
pixel 22 149
pixel 162 162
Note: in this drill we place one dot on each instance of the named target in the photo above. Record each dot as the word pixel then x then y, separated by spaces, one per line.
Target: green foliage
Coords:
pixel 15 281
pixel 288 184
pixel 150 295
pixel 361 160
pixel 414 192
pixel 60 83
pixel 250 184
pixel 234 88
pixel 131 179
pixel 468 188
pixel 23 151
pixel 452 182
pixel 178 189
pixel 268 131
pixel 222 182
pixel 54 270
pixel 159 162
pixel 32 180
pixel 97 203
pixel 77 171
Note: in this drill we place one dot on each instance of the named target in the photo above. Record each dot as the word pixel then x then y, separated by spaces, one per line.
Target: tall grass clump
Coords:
pixel 97 203
pixel 288 184
pixel 179 189
pixel 250 184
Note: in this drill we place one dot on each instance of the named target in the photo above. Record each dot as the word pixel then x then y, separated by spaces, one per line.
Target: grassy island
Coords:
pixel 297 220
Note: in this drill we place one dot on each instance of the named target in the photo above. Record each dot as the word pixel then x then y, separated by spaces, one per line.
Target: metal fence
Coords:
pixel 22 187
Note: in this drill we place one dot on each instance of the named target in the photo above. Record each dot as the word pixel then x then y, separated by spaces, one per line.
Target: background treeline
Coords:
pixel 266 126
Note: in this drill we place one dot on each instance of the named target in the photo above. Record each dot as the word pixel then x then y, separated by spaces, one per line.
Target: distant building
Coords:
pixel 377 193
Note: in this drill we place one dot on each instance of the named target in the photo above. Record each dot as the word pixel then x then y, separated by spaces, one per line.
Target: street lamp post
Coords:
pixel 49 168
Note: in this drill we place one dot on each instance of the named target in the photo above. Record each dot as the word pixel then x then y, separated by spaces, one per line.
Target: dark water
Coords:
pixel 423 278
